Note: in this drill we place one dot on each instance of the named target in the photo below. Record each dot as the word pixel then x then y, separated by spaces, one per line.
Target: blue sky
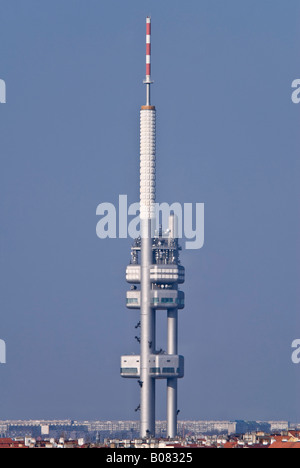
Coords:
pixel 227 136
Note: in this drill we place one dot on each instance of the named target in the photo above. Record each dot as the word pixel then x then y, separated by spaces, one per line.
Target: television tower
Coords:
pixel 154 273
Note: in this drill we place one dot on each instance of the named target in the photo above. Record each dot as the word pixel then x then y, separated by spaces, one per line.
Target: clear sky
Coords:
pixel 227 136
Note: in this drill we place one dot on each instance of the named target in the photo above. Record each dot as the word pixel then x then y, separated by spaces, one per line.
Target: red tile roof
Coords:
pixel 279 444
pixel 6 441
pixel 230 445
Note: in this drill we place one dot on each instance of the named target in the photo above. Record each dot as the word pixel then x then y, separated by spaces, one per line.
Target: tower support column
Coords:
pixel 172 382
pixel 147 335
pixel 171 408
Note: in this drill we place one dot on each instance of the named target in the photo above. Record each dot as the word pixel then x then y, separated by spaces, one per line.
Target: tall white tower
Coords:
pixel 156 270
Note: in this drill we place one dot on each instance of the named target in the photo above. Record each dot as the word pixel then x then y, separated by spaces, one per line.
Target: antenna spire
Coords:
pixel 148 81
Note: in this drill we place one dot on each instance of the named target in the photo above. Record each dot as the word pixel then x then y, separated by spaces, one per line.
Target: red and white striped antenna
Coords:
pixel 148 49
pixel 148 80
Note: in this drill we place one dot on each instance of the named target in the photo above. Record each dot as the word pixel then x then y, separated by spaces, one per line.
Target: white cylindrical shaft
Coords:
pixel 173 226
pixel 172 383
pixel 172 331
pixel 147 214
pixel 147 335
pixel 147 162
pixel 172 408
